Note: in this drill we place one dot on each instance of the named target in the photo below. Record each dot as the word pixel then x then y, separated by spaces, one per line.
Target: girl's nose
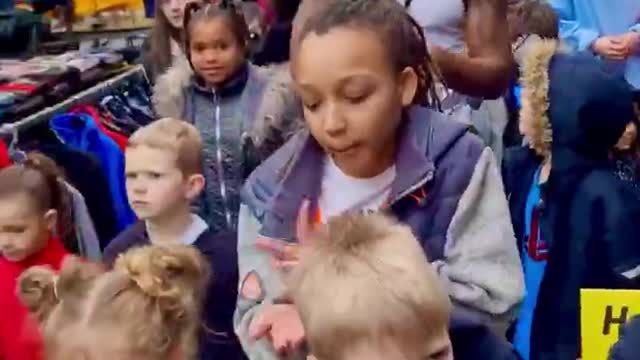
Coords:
pixel 334 122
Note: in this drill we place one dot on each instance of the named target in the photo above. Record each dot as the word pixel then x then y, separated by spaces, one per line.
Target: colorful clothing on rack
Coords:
pixel 119 139
pixel 81 132
pixel 4 155
pixel 84 172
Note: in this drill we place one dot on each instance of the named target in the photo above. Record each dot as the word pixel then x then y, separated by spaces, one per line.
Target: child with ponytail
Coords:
pixel 30 197
pixel 146 308
pixel 242 111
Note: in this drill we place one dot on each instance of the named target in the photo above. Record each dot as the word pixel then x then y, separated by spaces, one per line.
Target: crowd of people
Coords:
pixel 382 179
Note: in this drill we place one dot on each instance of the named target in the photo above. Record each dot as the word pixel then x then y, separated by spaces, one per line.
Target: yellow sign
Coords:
pixel 603 313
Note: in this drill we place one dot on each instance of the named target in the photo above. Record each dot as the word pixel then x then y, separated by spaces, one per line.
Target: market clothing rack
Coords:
pixel 87 96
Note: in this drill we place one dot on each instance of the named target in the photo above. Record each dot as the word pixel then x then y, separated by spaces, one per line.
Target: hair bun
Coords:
pixel 36 290
pixel 168 273
pixel 76 277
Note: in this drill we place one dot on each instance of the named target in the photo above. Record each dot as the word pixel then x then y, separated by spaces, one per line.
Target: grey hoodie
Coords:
pixel 241 123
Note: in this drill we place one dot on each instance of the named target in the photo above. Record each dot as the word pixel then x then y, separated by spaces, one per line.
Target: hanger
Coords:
pixel 17 156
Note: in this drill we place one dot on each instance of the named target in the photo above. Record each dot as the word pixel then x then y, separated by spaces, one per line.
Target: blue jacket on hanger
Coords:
pixel 80 132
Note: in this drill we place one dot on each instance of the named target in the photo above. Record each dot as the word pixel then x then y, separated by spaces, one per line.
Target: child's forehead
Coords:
pixel 148 156
pixel 359 48
pixel 17 207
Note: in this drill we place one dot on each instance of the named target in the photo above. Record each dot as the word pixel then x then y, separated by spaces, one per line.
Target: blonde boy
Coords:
pixel 163 177
pixel 365 290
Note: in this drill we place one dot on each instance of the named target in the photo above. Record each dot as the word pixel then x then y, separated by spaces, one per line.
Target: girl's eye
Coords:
pixel 441 355
pixel 155 175
pixel 15 229
pixel 357 99
pixel 198 47
pixel 311 107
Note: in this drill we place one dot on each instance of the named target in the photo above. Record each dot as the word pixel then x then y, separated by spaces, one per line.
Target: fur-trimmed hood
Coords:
pixel 534 57
pixel 575 96
pixel 277 117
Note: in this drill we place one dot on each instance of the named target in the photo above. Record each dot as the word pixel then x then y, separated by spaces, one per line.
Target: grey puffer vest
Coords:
pixel 223 117
pixel 240 124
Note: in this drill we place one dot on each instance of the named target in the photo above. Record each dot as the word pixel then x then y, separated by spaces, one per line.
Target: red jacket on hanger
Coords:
pixel 5 160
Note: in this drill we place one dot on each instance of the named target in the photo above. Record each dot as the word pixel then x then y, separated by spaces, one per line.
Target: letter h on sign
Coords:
pixel 609 319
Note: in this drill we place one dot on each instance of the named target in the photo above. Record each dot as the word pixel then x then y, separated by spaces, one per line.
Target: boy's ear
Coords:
pixel 195 185
pixel 51 220
pixel 408 85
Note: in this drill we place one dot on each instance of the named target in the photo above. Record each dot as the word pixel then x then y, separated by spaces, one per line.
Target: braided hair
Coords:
pixel 407 45
pixel 196 12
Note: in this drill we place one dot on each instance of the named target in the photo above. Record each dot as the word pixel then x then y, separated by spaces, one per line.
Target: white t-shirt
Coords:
pixel 192 233
pixel 342 193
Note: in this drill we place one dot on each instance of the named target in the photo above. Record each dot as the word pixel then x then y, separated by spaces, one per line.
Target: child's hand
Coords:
pixel 610 47
pixel 285 255
pixel 631 41
pixel 282 324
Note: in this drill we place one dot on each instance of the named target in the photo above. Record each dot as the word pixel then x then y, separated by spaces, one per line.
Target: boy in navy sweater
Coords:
pixel 163 177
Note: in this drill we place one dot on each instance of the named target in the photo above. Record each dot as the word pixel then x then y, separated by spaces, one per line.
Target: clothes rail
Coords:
pixel 87 96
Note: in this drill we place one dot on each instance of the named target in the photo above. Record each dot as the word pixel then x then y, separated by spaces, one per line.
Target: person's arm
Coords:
pixel 260 286
pixel 481 266
pixel 487 68
pixel 575 34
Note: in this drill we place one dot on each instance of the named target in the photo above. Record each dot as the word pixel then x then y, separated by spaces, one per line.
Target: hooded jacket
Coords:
pixel 447 188
pixel 241 124
pixel 588 214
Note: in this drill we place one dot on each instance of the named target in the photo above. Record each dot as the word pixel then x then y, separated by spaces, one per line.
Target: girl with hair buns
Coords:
pixel 30 199
pixel 146 308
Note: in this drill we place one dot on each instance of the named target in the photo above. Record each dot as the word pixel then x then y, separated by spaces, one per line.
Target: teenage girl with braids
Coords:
pixel 485 69
pixel 371 147
pixel 470 45
pixel 242 111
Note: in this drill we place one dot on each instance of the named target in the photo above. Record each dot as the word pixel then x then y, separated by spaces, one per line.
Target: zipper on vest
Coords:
pixel 219 162
pixel 427 178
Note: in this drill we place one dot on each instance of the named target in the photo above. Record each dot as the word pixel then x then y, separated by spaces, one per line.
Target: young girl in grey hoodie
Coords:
pixel 243 112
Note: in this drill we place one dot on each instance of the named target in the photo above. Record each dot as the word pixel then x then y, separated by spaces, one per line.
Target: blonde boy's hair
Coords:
pixel 366 278
pixel 146 308
pixel 174 135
